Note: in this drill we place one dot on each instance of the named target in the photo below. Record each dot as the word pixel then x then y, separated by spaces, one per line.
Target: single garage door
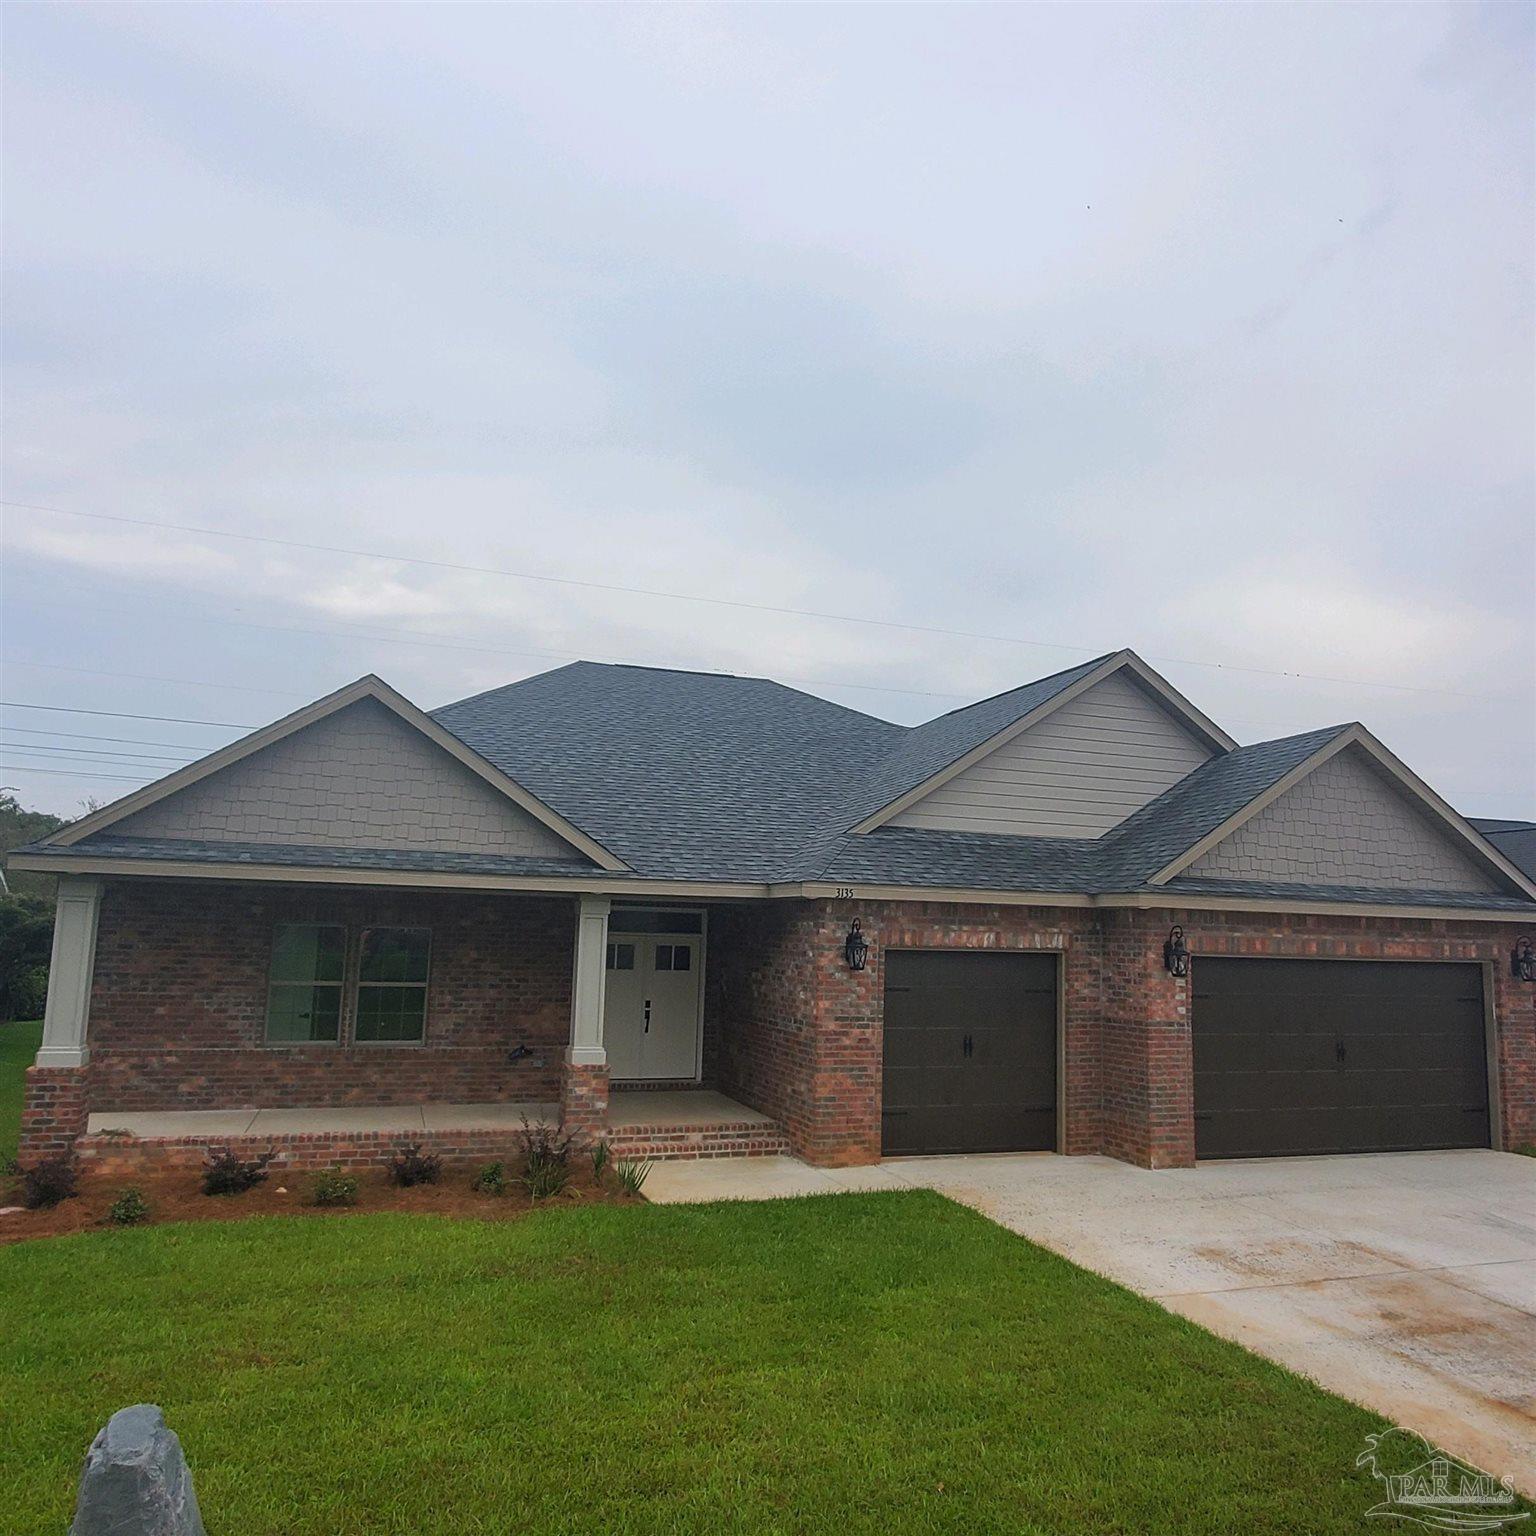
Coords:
pixel 1299 1056
pixel 970 1052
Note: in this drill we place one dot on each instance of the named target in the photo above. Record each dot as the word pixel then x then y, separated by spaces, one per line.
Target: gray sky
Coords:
pixel 1203 330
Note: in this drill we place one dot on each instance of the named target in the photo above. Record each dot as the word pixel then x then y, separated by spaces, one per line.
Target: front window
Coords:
pixel 392 984
pixel 309 962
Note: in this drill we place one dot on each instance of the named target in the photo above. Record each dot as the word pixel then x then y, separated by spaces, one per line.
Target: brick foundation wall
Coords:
pixel 179 997
pixel 53 1112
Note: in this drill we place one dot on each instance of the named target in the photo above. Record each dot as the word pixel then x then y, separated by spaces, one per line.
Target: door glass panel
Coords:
pixel 682 957
pixel 621 957
pixel 663 957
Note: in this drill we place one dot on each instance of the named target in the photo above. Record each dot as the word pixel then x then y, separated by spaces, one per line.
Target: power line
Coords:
pixel 118 714
pixel 131 741
pixel 693 597
pixel 68 773
pixel 376 637
pixel 143 677
pixel 144 757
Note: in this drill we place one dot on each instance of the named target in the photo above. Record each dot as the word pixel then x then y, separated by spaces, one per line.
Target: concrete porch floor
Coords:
pixel 1405 1281
pixel 632 1107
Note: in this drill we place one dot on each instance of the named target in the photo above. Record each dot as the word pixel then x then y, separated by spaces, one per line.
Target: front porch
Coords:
pixel 670 1124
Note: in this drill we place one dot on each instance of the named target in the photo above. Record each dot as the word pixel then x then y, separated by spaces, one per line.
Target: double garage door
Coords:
pixel 1291 1057
pixel 1308 1056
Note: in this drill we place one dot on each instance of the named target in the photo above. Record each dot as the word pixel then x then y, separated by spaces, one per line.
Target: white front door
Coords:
pixel 651 1008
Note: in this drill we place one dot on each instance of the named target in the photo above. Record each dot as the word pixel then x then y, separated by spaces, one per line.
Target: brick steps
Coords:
pixel 309 1150
pixel 744 1138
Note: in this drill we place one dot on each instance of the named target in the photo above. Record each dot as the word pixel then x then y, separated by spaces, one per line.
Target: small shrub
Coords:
pixel 333 1187
pixel 491 1180
pixel 226 1173
pixel 129 1209
pixel 632 1176
pixel 547 1180
pixel 599 1161
pixel 547 1159
pixel 412 1166
pixel 45 1184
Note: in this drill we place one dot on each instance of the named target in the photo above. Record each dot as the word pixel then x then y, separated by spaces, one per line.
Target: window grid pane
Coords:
pixel 394 954
pixel 391 1012
pixel 296 1012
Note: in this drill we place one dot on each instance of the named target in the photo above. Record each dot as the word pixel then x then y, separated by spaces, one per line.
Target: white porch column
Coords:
pixel 69 973
pixel 589 983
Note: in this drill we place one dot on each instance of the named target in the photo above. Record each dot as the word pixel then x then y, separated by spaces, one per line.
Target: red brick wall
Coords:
pixel 178 1004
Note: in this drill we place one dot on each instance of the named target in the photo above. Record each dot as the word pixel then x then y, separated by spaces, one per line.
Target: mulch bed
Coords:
pixel 177 1196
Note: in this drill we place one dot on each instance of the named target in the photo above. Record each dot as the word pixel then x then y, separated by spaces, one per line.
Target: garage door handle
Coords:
pixel 967 1045
pixel 1338 1051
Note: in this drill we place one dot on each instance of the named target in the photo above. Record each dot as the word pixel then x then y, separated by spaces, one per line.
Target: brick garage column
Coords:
pixel 584 1085
pixel 843 1126
pixel 1147 1051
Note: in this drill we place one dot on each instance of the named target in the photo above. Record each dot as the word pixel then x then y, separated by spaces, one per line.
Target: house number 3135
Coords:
pixel 844 893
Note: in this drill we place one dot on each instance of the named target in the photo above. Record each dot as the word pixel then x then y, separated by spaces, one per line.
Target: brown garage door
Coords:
pixel 1301 1056
pixel 970 1052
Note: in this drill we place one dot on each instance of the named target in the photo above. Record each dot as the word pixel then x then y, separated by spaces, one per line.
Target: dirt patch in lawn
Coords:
pixel 177 1195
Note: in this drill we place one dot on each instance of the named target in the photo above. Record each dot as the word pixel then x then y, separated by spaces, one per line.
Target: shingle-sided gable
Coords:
pixel 1076 773
pixel 357 778
pixel 1345 824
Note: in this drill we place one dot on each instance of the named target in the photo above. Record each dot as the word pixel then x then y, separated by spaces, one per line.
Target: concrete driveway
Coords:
pixel 1404 1281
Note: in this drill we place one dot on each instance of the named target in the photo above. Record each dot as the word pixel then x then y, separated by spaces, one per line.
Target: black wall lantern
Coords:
pixel 856 947
pixel 1176 952
pixel 1522 961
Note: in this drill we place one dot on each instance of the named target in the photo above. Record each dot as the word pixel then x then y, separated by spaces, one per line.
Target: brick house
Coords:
pixel 699 915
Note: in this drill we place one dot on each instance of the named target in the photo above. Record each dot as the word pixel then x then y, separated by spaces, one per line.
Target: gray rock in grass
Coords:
pixel 136 1481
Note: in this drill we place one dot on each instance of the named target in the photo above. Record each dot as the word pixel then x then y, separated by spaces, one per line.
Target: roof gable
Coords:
pixel 361 768
pixel 936 753
pixel 1349 814
pixel 1076 773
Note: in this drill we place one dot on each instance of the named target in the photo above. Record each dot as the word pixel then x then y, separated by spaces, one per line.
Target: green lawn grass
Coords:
pixel 882 1363
pixel 18 1046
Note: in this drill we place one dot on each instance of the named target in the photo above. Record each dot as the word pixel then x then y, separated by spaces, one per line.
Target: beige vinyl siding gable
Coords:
pixel 1344 824
pixel 1077 773
pixel 359 778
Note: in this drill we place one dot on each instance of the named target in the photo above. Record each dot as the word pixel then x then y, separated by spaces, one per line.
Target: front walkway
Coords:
pixel 1404 1281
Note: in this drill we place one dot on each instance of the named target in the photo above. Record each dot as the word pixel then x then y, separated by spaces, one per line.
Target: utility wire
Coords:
pixel 131 741
pixel 144 677
pixel 68 773
pixel 143 757
pixel 118 714
pixel 693 597
pixel 376 637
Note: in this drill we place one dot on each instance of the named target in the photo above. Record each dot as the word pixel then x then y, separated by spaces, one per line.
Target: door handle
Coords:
pixel 1338 1051
pixel 647 1028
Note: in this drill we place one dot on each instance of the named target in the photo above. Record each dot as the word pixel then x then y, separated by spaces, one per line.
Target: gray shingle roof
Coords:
pixel 414 860
pixel 1516 840
pixel 712 778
